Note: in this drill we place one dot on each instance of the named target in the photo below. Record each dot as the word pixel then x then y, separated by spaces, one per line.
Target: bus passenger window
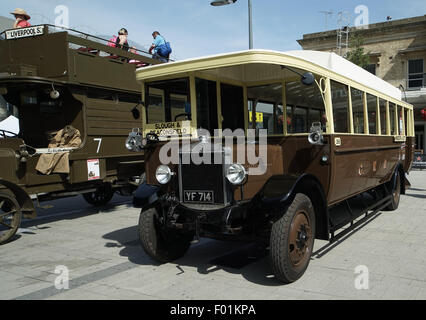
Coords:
pixel 340 107
pixel 383 116
pixel 265 108
pixel 307 107
pixel 206 105
pixel 392 118
pixel 289 119
pixel 372 113
pixel 406 115
pixel 300 117
pixel 358 110
pixel 400 121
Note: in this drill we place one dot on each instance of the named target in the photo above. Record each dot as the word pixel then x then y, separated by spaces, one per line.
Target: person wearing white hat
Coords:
pixel 21 18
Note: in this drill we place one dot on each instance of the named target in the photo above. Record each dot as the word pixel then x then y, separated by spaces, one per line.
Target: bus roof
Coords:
pixel 316 61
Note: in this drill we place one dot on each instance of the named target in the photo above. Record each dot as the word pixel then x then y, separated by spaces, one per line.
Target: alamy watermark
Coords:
pixel 62 16
pixel 363 17
pixel 247 148
pixel 63 278
pixel 361 281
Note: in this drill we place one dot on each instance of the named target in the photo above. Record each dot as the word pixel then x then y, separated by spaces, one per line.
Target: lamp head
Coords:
pixel 218 3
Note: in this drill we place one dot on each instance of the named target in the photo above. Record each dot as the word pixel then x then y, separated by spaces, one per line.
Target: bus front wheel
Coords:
pixel 292 240
pixel 161 243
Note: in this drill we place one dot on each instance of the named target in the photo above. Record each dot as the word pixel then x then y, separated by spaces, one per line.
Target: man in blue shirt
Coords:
pixel 158 41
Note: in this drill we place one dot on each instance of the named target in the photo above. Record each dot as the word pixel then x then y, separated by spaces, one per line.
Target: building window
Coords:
pixel 415 73
pixel 371 68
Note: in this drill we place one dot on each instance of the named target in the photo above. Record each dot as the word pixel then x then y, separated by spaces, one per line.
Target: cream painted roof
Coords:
pixel 315 61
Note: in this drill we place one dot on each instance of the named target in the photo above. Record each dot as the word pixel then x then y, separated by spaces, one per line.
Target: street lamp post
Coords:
pixel 225 2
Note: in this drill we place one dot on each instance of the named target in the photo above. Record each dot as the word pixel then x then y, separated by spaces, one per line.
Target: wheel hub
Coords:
pixel 300 238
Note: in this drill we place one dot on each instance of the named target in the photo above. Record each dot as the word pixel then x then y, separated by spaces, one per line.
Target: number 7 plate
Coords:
pixel 198 196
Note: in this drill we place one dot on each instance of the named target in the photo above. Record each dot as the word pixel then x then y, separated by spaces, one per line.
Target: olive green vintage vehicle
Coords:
pixel 56 81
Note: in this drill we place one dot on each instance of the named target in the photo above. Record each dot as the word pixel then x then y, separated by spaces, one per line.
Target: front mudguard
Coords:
pixel 24 200
pixel 279 192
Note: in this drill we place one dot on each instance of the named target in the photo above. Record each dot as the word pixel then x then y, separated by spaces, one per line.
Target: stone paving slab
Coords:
pixel 100 248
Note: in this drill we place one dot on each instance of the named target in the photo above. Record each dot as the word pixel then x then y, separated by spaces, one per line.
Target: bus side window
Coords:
pixel 358 110
pixel 340 99
pixel 401 121
pixel 392 118
pixel 383 124
pixel 406 115
pixel 307 107
pixel 372 113
pixel 265 108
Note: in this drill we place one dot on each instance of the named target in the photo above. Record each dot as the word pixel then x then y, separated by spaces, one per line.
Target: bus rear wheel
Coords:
pixel 10 217
pixel 395 192
pixel 292 240
pixel 160 243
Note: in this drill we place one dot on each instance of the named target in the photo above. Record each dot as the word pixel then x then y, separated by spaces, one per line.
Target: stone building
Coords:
pixel 397 50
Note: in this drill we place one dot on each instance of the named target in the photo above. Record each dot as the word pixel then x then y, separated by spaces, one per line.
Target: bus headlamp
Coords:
pixel 236 174
pixel 163 174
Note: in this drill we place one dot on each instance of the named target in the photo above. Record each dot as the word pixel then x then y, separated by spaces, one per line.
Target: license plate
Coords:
pixel 198 196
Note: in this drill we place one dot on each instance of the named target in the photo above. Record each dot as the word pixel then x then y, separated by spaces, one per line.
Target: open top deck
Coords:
pixel 68 56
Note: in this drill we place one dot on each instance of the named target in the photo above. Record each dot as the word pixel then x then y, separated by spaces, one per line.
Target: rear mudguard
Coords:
pixel 24 200
pixel 279 192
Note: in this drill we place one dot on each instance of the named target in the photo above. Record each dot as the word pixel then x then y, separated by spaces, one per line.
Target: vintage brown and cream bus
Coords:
pixel 68 101
pixel 339 142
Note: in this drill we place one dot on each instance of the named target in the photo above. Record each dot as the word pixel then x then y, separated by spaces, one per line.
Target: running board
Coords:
pixel 349 210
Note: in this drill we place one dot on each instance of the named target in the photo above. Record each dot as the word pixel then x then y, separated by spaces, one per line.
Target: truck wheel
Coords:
pixel 100 197
pixel 10 217
pixel 396 192
pixel 161 244
pixel 292 240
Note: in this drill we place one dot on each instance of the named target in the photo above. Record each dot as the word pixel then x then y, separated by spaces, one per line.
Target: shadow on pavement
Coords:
pixel 208 256
pixel 421 196
pixel 73 214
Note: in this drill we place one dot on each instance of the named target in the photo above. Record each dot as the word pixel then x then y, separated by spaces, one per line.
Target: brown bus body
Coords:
pixel 315 181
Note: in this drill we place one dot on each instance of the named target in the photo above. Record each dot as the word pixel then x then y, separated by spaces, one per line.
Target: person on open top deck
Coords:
pixel 121 41
pixel 158 41
pixel 21 18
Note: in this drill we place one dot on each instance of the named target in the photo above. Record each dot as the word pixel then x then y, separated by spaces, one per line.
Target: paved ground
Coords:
pixel 104 259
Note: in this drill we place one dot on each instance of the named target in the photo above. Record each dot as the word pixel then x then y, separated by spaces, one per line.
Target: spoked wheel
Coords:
pixel 292 240
pixel 100 197
pixel 10 217
pixel 396 192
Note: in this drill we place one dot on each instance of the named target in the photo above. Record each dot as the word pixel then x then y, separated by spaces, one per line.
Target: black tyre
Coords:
pixel 100 197
pixel 292 240
pixel 162 245
pixel 395 186
pixel 10 217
